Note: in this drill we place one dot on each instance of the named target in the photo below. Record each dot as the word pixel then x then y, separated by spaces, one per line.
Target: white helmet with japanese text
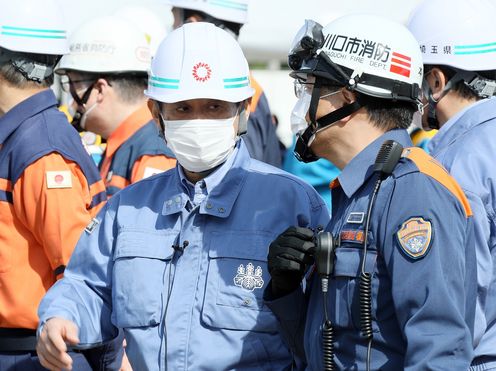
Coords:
pixel 235 11
pixel 199 60
pixel 463 39
pixel 368 54
pixel 108 44
pixel 32 37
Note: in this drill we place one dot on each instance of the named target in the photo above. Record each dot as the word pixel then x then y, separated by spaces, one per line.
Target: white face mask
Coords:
pixel 298 120
pixel 200 145
pixel 298 115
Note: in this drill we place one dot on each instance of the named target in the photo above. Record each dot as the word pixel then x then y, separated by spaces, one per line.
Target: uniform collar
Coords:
pixel 127 128
pixel 463 121
pixel 223 186
pixel 24 110
pixel 360 168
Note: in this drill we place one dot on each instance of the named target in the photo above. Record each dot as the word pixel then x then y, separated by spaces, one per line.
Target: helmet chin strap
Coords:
pixel 432 120
pixel 302 150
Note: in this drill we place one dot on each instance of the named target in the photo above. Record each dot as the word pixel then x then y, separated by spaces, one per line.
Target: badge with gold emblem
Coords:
pixel 415 237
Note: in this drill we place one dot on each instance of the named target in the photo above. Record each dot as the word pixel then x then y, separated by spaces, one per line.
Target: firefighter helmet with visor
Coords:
pixel 368 54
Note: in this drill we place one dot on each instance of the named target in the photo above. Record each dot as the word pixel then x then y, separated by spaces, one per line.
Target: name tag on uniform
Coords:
pixel 91 226
pixel 355 218
pixel 149 171
pixel 59 179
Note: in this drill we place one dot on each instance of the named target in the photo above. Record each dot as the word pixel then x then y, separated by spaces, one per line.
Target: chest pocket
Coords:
pixel 139 276
pixel 346 284
pixel 237 276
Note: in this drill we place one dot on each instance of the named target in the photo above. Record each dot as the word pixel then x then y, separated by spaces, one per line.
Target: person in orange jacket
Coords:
pixel 106 80
pixel 49 187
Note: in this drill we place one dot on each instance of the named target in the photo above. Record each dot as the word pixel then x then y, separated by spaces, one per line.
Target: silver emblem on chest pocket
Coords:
pixel 249 278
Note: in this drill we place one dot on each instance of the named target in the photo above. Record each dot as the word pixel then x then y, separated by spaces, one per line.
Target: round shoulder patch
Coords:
pixel 415 237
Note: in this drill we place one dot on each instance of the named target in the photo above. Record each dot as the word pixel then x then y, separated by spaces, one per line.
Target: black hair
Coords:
pixel 129 86
pixel 387 114
pixel 461 87
pixel 12 71
pixel 383 113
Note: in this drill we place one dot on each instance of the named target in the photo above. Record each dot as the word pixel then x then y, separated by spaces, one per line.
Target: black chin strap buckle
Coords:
pixel 302 149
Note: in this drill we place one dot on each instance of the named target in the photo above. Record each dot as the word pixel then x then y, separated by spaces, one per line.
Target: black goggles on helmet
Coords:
pixel 305 44
pixel 303 58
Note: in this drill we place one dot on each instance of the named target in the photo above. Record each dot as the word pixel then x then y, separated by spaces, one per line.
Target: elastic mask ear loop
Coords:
pixel 84 116
pixel 161 122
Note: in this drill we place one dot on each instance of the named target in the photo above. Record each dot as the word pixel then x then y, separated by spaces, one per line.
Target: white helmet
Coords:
pixel 235 11
pixel 370 54
pixel 30 27
pixel 199 60
pixel 147 21
pixel 456 33
pixel 107 44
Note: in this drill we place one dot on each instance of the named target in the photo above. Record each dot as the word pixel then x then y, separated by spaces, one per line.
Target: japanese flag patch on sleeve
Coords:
pixel 415 237
pixel 59 179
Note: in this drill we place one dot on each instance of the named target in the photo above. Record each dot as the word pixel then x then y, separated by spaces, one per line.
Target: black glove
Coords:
pixel 290 254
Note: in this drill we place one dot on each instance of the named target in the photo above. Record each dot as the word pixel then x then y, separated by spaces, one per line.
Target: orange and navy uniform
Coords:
pixel 134 151
pixel 50 190
pixel 261 138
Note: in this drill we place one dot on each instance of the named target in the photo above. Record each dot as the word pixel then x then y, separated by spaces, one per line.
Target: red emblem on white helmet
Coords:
pixel 202 72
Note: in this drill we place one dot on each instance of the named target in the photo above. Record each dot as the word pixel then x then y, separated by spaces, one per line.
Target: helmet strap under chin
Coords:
pixel 303 151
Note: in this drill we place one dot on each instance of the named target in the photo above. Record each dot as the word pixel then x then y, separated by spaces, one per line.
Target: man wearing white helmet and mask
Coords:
pixel 178 260
pixel 49 186
pixel 106 74
pixel 391 288
pixel 458 42
pixel 260 138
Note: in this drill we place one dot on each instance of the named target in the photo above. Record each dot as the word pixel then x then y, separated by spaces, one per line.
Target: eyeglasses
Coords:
pixel 66 82
pixel 302 87
pixel 69 86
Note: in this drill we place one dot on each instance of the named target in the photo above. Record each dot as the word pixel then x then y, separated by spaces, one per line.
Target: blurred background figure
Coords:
pixel 261 138
pixel 421 138
pixel 49 187
pixel 106 74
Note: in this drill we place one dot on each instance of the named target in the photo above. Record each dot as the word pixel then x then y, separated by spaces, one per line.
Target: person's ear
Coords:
pixel 102 87
pixel 437 81
pixel 247 105
pixel 153 107
pixel 349 96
